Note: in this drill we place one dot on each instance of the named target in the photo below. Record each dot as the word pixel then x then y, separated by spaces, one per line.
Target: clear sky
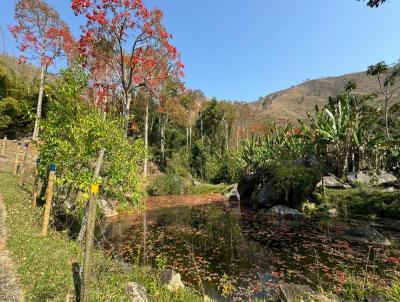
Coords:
pixel 241 50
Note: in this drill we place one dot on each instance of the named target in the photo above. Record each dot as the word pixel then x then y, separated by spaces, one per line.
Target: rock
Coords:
pixel 333 182
pixel 233 195
pixel 196 183
pixel 136 292
pixel 332 212
pixel 107 207
pixel 366 235
pixel 384 178
pixel 358 177
pixel 376 298
pixel 389 190
pixel 284 211
pixel 297 292
pixel 247 187
pixel 171 279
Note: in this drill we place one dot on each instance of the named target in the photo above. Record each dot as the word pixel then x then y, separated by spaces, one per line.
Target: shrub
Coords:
pixel 292 183
pixel 72 137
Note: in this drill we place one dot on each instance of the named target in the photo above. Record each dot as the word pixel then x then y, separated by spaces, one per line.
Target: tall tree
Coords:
pixel 41 36
pixel 170 108
pixel 386 78
pixel 131 40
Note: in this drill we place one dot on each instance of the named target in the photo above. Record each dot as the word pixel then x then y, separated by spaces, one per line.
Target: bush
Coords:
pixel 293 183
pixel 72 137
pixel 373 202
pixel 169 184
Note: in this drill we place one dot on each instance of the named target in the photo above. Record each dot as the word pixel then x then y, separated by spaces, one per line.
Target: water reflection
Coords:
pixel 236 253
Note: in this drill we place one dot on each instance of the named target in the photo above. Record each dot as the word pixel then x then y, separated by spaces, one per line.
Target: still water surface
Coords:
pixel 232 253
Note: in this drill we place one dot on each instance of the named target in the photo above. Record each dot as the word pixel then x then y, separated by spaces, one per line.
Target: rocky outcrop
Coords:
pixel 382 178
pixel 358 178
pixel 332 182
pixel 247 185
pixel 366 235
pixel 171 279
pixel 298 292
pixel 136 292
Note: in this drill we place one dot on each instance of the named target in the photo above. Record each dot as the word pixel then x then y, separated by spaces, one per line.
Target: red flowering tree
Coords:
pixel 41 36
pixel 128 40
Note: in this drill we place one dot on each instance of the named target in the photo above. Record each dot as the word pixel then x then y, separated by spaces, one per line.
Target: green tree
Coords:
pixel 74 133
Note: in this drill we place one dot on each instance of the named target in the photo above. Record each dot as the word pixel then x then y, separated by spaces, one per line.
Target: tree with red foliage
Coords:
pixel 41 36
pixel 130 40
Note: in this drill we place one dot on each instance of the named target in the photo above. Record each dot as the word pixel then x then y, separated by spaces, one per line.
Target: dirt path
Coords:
pixel 9 288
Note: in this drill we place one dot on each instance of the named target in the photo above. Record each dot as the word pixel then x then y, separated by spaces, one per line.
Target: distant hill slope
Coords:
pixel 294 103
pixel 25 71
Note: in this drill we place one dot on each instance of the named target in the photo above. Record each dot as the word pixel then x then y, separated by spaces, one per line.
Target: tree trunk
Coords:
pixel 126 110
pixel 201 129
pixel 187 137
pixel 226 135
pixel 345 162
pixel 190 135
pixel 39 102
pixel 162 140
pixel 146 139
pixel 387 118
pixel 237 137
pixel 145 235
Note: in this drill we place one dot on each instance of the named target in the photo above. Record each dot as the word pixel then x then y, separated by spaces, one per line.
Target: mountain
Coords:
pixel 293 103
pixel 25 71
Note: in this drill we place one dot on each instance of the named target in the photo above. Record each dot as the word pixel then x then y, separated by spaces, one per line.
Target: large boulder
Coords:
pixel 381 178
pixel 171 279
pixel 384 178
pixel 284 184
pixel 298 292
pixel 107 207
pixel 358 178
pixel 247 186
pixel 367 235
pixel 233 194
pixel 136 292
pixel 332 182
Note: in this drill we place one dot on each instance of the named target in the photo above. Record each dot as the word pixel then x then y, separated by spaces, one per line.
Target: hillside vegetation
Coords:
pixel 291 104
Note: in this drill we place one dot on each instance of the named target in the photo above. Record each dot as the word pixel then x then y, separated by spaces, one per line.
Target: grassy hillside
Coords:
pixel 294 103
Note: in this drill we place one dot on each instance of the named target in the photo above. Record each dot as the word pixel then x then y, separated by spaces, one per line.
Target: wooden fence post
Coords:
pixel 35 183
pixel 16 159
pixel 23 166
pixel 3 150
pixel 26 145
pixel 89 232
pixel 89 239
pixel 49 199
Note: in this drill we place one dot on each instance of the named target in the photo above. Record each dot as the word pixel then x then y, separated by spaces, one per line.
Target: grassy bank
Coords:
pixel 44 265
pixel 363 201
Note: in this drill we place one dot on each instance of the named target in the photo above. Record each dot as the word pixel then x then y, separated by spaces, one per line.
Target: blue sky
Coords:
pixel 241 50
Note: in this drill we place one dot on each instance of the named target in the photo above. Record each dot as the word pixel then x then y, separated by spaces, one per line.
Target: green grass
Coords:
pixel 363 201
pixel 44 264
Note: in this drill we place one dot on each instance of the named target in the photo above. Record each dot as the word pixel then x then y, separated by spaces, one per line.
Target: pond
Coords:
pixel 232 253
